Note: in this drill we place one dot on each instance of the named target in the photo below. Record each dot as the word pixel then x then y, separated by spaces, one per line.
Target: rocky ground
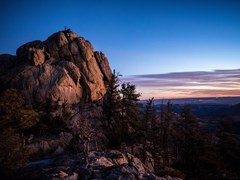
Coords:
pixel 103 165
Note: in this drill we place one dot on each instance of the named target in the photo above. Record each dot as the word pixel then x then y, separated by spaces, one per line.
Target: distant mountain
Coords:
pixel 226 111
pixel 207 100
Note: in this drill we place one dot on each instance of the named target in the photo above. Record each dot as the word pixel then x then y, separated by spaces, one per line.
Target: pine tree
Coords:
pixel 130 112
pixel 152 133
pixel 111 111
pixel 149 115
pixel 166 121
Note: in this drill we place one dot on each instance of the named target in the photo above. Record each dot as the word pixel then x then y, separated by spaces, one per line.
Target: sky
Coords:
pixel 144 40
pixel 188 84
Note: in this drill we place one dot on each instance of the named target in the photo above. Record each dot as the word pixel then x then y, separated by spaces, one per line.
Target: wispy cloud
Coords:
pixel 188 84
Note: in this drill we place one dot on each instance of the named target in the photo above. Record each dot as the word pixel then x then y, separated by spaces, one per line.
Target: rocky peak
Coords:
pixel 64 67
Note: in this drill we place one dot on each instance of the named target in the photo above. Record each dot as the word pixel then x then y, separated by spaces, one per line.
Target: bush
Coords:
pixel 15 118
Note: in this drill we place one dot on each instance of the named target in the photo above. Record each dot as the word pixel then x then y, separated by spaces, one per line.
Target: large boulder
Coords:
pixel 64 68
pixel 34 52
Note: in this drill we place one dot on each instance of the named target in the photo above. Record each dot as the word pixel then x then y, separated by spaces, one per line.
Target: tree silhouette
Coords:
pixel 111 111
pixel 130 112
pixel 149 118
pixel 165 126
pixel 189 142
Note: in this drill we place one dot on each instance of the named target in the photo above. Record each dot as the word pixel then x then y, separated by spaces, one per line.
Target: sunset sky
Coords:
pixel 167 48
pixel 220 83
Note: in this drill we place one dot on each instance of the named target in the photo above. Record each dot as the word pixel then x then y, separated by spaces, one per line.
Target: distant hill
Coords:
pixel 207 100
pixel 223 107
pixel 209 111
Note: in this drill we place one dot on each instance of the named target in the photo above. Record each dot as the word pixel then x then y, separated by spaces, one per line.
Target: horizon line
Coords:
pixel 205 97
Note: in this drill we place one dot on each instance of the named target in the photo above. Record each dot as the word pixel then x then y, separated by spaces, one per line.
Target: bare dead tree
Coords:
pixel 87 134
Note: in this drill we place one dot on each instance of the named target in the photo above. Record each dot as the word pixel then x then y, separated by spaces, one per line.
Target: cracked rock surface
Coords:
pixel 64 68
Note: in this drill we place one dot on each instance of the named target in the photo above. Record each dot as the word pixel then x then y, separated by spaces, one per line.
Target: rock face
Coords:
pixel 64 68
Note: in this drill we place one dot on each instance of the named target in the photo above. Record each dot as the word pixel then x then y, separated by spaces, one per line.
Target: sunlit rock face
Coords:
pixel 64 68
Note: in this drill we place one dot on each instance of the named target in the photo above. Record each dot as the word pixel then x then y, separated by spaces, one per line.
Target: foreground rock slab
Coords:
pixel 98 165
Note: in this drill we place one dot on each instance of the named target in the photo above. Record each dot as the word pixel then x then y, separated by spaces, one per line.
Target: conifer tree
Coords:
pixel 167 120
pixel 130 112
pixel 149 121
pixel 111 111
pixel 152 129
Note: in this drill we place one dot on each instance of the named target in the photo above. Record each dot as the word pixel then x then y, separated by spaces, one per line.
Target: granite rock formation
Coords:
pixel 64 68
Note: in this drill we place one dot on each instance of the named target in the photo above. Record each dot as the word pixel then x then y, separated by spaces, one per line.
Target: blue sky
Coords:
pixel 137 36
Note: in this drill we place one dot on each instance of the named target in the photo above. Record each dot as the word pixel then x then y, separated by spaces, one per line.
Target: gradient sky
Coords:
pixel 188 84
pixel 139 37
